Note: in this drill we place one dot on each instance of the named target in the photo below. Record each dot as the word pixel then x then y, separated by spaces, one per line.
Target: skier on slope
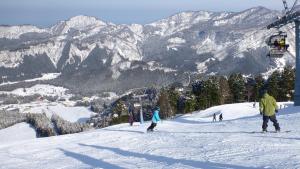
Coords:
pixel 221 117
pixel 130 114
pixel 155 119
pixel 214 117
pixel 268 107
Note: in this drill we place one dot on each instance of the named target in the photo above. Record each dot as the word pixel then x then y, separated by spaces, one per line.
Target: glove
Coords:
pixel 276 110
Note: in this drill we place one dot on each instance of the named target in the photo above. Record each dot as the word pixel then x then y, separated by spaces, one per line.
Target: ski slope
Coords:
pixel 189 141
pixel 17 133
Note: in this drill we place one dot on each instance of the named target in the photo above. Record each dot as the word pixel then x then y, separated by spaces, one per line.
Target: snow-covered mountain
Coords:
pixel 190 141
pixel 87 49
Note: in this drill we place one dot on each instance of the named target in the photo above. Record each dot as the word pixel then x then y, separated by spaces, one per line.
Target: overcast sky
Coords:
pixel 45 13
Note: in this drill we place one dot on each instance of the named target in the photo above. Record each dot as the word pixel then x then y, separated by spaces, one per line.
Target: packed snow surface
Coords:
pixel 189 141
pixel 17 133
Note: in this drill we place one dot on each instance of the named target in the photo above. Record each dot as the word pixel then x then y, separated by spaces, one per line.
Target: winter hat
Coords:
pixel 262 92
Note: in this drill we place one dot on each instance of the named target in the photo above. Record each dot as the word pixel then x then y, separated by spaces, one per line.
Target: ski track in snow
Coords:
pixel 185 142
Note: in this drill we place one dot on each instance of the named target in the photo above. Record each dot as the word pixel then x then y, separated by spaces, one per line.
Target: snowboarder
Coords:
pixel 214 117
pixel 267 108
pixel 220 117
pixel 130 114
pixel 155 119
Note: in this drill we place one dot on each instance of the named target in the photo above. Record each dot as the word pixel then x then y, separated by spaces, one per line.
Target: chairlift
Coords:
pixel 277 45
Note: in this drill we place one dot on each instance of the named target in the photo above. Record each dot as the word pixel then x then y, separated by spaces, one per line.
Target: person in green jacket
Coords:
pixel 268 107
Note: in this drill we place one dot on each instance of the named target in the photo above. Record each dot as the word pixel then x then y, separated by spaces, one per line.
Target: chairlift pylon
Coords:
pixel 293 16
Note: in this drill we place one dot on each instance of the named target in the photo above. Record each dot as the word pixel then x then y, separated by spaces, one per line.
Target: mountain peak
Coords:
pixel 80 22
pixel 258 9
pixel 82 18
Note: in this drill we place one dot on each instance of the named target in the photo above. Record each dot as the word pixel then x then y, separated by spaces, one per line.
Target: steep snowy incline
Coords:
pixel 186 142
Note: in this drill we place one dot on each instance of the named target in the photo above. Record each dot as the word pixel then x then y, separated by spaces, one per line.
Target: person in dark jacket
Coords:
pixel 130 114
pixel 267 108
pixel 155 119
pixel 221 117
pixel 214 117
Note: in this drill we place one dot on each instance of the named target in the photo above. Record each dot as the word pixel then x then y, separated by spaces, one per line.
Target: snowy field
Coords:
pixel 65 111
pixel 42 89
pixel 190 141
pixel 47 76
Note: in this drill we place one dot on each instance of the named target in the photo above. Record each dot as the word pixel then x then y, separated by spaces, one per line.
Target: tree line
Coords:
pixel 217 90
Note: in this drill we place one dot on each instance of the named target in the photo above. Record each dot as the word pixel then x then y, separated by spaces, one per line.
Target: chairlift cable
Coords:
pixel 294 5
pixel 286 8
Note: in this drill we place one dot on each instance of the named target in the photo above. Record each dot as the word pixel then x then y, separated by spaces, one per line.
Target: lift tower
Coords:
pixel 290 17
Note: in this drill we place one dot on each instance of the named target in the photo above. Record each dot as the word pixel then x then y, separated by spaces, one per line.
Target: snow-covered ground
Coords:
pixel 42 89
pixel 46 76
pixel 190 141
pixel 64 110
pixel 71 114
pixel 17 133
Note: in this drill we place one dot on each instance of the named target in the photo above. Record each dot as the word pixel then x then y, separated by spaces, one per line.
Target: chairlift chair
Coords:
pixel 277 45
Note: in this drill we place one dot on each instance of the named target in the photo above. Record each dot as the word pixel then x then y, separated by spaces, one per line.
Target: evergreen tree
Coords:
pixel 225 94
pixel 181 105
pixel 250 89
pixel 199 89
pixel 173 96
pixel 237 87
pixel 209 93
pixel 164 104
pixel 190 104
pixel 273 85
pixel 213 91
pixel 287 84
pixel 259 83
pixel 120 108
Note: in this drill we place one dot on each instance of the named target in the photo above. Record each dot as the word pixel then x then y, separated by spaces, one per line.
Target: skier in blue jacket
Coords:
pixel 155 119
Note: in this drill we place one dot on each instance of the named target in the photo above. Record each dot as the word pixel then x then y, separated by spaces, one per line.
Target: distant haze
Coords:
pixel 45 13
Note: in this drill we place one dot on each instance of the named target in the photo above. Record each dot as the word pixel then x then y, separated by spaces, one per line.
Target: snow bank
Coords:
pixel 234 111
pixel 17 133
pixel 229 111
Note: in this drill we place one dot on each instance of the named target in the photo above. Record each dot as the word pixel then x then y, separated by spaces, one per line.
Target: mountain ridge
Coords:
pixel 192 42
